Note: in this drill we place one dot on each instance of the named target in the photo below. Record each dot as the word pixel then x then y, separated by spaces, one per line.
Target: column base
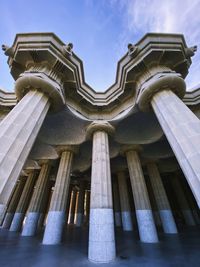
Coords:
pixel 168 222
pixel 7 220
pixel 101 236
pixel 127 221
pixel 146 226
pixel 31 223
pixel 118 219
pixel 17 222
pixel 189 219
pixel 79 219
pixel 3 209
pixel 54 228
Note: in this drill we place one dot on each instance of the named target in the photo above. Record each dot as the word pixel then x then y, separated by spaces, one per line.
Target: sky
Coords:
pixel 100 30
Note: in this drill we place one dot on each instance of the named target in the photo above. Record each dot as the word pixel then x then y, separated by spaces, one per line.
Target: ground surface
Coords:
pixel 177 250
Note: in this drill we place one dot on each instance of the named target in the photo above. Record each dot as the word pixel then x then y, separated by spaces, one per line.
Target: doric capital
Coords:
pixel 41 82
pixel 63 148
pixel 100 126
pixel 127 148
pixel 166 80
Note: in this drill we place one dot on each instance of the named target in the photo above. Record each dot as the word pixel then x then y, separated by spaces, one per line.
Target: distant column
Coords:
pixel 34 210
pixel 13 203
pixel 57 211
pixel 145 220
pixel 23 203
pixel 117 208
pixel 124 202
pixel 72 206
pixel 182 201
pixel 80 206
pixel 168 223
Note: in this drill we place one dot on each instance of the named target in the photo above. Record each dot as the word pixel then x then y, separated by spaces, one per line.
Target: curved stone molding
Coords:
pixel 41 83
pixel 99 126
pixel 158 82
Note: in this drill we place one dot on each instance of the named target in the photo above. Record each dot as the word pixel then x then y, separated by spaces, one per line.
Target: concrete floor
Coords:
pixel 177 250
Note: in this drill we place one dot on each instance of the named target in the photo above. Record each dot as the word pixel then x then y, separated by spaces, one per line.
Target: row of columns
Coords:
pixel 19 129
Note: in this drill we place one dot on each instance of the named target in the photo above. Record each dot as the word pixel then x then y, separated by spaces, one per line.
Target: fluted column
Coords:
pixel 80 205
pixel 87 208
pixel 182 129
pixel 164 209
pixel 72 206
pixel 23 203
pixel 146 225
pixel 117 208
pixel 182 201
pixel 34 209
pixel 56 215
pixel 13 203
pixel 124 202
pixel 18 132
pixel 101 228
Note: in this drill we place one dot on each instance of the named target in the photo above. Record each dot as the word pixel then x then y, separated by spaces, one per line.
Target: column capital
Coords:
pixel 100 126
pixel 41 82
pixel 65 148
pixel 127 148
pixel 163 79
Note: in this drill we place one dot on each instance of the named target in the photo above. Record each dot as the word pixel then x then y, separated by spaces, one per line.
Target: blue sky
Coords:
pixel 100 30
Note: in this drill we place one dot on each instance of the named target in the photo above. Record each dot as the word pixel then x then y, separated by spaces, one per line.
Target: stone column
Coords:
pixel 80 205
pixel 72 206
pixel 45 205
pixel 124 202
pixel 164 209
pixel 18 132
pixel 116 201
pixel 101 228
pixel 182 201
pixel 13 203
pixel 57 211
pixel 23 203
pixel 146 225
pixel 162 91
pixel 87 208
pixel 34 209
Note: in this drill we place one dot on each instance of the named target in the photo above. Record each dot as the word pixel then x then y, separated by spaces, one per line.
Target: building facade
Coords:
pixel 127 157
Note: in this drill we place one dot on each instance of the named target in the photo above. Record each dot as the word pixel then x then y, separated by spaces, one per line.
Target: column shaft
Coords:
pixel 146 225
pixel 23 203
pixel 101 230
pixel 182 201
pixel 18 131
pixel 13 203
pixel 116 201
pixel 56 215
pixel 34 209
pixel 72 206
pixel 80 207
pixel 162 202
pixel 87 207
pixel 124 202
pixel 182 129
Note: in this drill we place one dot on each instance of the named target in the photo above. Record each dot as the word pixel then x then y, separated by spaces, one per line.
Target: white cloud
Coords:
pixel 168 16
